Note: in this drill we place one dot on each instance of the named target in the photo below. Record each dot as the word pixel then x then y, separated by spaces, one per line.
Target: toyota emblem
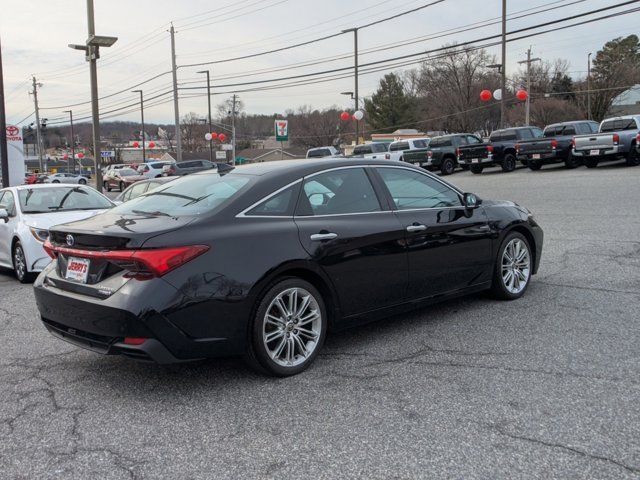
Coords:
pixel 70 240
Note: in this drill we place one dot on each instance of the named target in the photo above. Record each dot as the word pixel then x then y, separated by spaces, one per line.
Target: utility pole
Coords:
pixel 92 54
pixel 4 150
pixel 209 109
pixel 527 107
pixel 176 110
pixel 144 148
pixel 233 130
pixel 589 85
pixel 73 145
pixel 36 85
pixel 504 62
pixel 355 74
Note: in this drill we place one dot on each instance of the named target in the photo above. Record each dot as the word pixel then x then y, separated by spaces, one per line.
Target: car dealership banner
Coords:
pixel 16 155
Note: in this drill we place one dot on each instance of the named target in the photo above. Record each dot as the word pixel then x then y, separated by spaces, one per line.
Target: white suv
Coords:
pixel 397 149
pixel 152 169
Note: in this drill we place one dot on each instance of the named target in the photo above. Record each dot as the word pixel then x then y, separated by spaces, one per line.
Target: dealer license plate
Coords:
pixel 536 156
pixel 77 269
pixel 594 152
pixel 475 160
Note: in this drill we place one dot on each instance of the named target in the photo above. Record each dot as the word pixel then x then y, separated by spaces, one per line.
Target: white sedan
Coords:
pixel 66 178
pixel 27 212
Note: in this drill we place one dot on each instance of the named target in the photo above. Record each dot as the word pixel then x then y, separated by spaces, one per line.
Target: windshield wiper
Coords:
pixel 153 214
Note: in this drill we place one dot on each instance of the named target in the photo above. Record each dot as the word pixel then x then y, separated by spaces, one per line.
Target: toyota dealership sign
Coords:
pixel 16 155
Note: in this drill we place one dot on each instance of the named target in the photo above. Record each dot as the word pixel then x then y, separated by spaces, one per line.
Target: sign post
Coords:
pixel 282 134
pixel 15 156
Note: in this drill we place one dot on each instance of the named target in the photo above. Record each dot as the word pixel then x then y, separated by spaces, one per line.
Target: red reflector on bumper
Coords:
pixel 134 340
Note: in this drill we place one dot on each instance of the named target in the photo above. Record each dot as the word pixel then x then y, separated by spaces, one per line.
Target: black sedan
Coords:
pixel 264 260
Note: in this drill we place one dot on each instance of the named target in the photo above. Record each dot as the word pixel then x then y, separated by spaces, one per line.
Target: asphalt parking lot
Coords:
pixel 543 387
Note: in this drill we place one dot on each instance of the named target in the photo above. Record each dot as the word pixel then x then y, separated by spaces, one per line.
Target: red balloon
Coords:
pixel 222 137
pixel 81 155
pixel 214 135
pixel 136 144
pixel 344 116
pixel 65 157
pixel 152 144
pixel 485 95
pixel 522 95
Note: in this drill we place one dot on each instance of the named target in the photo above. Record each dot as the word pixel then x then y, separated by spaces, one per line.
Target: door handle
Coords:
pixel 319 237
pixel 416 228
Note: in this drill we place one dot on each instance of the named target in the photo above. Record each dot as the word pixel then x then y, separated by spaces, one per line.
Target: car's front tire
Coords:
pixel 513 267
pixel 20 264
pixel 633 158
pixel 288 328
pixel 509 163
pixel 572 162
pixel 447 167
pixel 476 169
pixel 82 181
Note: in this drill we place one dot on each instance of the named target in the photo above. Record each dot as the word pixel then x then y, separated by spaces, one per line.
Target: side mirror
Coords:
pixel 470 201
pixel 4 215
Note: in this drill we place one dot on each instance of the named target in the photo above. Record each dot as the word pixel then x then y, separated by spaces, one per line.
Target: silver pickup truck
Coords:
pixel 618 137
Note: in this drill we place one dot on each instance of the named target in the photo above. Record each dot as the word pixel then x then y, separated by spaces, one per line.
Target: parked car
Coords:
pixel 320 152
pixel 555 146
pixel 120 178
pixel 114 166
pixel 193 166
pixel 28 211
pixel 138 188
pixel 499 150
pixel 265 259
pixel 441 153
pixel 618 138
pixel 152 169
pixel 373 151
pixel 66 178
pixel 397 149
pixel 30 178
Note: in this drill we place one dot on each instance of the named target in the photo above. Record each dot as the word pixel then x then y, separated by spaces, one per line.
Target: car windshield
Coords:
pixel 56 199
pixel 189 195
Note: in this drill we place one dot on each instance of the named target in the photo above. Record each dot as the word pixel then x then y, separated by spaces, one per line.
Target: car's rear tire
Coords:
pixel 121 185
pixel 633 158
pixel 509 163
pixel 513 267
pixel 572 162
pixel 591 162
pixel 20 264
pixel 82 181
pixel 55 181
pixel 288 328
pixel 476 169
pixel 464 166
pixel 106 186
pixel 448 166
pixel 533 165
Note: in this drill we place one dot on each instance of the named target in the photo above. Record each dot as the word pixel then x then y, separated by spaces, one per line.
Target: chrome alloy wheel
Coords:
pixel 291 327
pixel 19 262
pixel 516 266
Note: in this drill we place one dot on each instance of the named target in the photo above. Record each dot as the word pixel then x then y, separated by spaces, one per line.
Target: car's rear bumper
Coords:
pixel 101 325
pixel 540 157
pixel 477 161
pixel 602 152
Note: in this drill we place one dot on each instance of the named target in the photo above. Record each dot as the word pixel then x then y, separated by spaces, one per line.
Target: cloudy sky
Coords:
pixel 35 37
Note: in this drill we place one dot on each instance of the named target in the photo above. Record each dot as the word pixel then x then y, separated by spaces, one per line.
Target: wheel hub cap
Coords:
pixel 516 266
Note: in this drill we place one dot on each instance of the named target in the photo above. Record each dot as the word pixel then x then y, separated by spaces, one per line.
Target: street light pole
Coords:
pixel 589 85
pixel 144 148
pixel 504 62
pixel 4 150
pixel 36 85
pixel 73 145
pixel 355 73
pixel 233 130
pixel 528 61
pixel 209 109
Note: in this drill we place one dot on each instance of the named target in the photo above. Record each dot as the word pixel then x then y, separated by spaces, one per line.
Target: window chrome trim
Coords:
pixel 243 213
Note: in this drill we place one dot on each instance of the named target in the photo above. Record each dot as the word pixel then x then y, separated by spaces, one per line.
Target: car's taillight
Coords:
pixel 616 139
pixel 573 142
pixel 387 156
pixel 429 154
pixel 153 261
pixel 638 139
pixel 457 152
pixel 554 143
pixel 517 148
pixel 134 340
pixel 490 148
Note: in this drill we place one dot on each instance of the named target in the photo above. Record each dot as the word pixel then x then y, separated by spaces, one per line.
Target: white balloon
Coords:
pixel 358 115
pixel 498 94
pixel 208 137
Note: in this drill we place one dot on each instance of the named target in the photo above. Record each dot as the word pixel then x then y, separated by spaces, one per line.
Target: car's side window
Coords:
pixel 8 203
pixel 338 192
pixel 471 140
pixel 525 133
pixel 412 189
pixel 279 205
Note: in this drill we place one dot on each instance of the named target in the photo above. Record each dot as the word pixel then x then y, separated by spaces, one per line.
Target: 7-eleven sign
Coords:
pixel 282 130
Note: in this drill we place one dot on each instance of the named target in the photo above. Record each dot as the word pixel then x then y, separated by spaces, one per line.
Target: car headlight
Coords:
pixel 41 234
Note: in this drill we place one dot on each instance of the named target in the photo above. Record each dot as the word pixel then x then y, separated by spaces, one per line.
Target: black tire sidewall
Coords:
pixel 534 165
pixel 256 350
pixel 497 286
pixel 447 166
pixel 509 163
pixel 476 169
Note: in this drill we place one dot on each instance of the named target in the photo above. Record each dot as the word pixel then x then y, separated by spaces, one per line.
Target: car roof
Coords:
pixel 48 185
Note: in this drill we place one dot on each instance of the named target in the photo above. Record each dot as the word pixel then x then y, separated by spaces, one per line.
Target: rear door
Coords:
pixel 354 237
pixel 449 247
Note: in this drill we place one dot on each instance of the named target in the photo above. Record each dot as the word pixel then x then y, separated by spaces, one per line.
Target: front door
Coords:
pixel 355 237
pixel 449 247
pixel 7 201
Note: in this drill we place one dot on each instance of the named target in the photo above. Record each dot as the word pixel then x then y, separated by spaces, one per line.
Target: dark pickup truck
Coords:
pixel 499 150
pixel 555 146
pixel 441 154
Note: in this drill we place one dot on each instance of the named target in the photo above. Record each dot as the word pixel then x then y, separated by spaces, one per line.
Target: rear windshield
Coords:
pixel 503 135
pixel 440 142
pixel 319 153
pixel 618 125
pixel 189 195
pixel 125 172
pixel 57 199
pixel 362 149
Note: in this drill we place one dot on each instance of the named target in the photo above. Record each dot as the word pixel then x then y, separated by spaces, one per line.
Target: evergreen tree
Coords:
pixel 389 107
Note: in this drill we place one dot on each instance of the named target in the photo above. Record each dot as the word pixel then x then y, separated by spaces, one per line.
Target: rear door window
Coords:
pixel 420 143
pixel 399 146
pixel 414 190
pixel 279 205
pixel 525 134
